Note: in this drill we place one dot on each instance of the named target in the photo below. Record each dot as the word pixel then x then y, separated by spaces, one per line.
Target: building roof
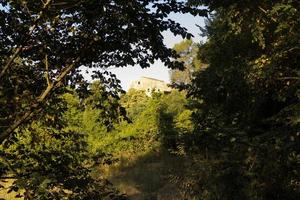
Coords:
pixel 152 79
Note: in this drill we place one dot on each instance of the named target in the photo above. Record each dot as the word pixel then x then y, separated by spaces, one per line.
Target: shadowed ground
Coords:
pixel 150 177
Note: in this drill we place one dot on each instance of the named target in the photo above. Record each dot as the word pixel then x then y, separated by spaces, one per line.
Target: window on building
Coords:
pixel 139 82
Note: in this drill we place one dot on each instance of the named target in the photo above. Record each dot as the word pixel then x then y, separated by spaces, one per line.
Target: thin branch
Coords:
pixel 292 49
pixel 10 60
pixel 10 167
pixel 289 78
pixel 8 177
pixel 26 8
pixel 19 121
pixel 252 164
pixel 43 2
pixel 266 13
pixel 19 48
pixel 47 70
pixel 40 99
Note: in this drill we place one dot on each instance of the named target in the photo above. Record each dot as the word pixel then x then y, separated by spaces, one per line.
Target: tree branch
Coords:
pixel 47 70
pixel 289 78
pixel 19 48
pixel 40 99
pixel 266 13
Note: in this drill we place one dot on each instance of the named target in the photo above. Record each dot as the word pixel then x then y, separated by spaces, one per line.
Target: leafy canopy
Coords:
pixel 43 44
pixel 247 101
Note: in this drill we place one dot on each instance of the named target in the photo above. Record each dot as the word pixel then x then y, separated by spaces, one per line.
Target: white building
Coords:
pixel 150 85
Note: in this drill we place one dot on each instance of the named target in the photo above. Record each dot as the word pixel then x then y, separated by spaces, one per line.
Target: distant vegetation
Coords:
pixel 149 142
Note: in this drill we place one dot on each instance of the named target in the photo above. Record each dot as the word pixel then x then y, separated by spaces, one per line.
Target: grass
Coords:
pixel 147 177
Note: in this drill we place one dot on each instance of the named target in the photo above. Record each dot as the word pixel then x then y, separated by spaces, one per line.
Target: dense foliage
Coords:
pixel 51 157
pixel 188 55
pixel 247 118
pixel 235 136
pixel 43 44
pixel 153 123
pixel 44 47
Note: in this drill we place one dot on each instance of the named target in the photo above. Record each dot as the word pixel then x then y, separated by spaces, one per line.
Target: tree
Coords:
pixel 95 115
pixel 51 159
pixel 248 101
pixel 188 52
pixel 134 101
pixel 43 44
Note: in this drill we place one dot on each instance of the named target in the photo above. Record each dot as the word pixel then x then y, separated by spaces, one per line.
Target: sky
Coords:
pixel 158 70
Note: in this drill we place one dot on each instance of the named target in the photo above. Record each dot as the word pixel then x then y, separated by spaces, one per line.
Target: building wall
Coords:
pixel 149 85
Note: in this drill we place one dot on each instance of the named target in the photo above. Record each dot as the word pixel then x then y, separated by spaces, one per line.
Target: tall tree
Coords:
pixel 50 158
pixel 248 100
pixel 43 44
pixel 188 52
